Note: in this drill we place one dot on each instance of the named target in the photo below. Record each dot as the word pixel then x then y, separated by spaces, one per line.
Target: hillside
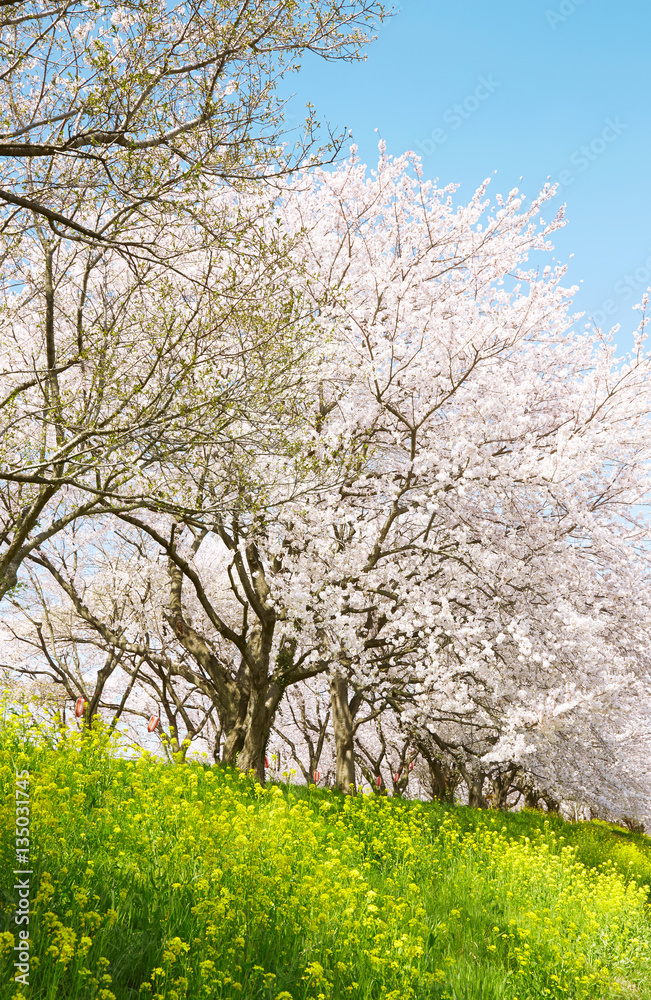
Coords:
pixel 156 881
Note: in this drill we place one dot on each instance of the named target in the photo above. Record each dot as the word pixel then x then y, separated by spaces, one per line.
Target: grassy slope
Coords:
pixel 176 882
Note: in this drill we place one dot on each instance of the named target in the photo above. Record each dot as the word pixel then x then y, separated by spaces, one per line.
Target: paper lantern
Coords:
pixel 397 776
pixel 316 777
pixel 411 765
pixel 266 762
pixel 153 722
pixel 80 707
pixel 379 782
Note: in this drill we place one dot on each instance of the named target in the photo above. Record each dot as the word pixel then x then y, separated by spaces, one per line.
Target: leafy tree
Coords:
pixel 135 386
pixel 132 137
pixel 112 108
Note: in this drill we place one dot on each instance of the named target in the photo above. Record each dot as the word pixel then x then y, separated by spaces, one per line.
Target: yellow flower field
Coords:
pixel 168 882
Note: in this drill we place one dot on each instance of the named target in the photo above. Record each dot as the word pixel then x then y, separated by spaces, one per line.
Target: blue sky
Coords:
pixel 544 89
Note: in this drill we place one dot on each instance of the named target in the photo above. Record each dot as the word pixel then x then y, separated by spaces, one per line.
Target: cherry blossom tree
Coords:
pixel 452 517
pixel 493 540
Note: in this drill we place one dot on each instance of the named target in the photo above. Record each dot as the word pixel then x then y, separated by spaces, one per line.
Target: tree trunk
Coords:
pixel 531 796
pixel 443 780
pixel 342 723
pixel 500 794
pixel 553 805
pixel 502 783
pixel 476 790
pixel 257 730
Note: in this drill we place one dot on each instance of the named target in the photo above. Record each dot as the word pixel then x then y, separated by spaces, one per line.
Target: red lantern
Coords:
pixel 316 777
pixel 397 776
pixel 266 762
pixel 379 782
pixel 153 722
pixel 411 765
pixel 80 707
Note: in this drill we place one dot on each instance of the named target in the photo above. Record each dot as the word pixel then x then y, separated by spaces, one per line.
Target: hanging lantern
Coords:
pixel 80 707
pixel 266 762
pixel 316 777
pixel 411 765
pixel 379 781
pixel 397 776
pixel 153 722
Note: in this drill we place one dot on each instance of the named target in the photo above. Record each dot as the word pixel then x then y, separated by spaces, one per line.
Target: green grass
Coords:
pixel 180 881
pixel 596 843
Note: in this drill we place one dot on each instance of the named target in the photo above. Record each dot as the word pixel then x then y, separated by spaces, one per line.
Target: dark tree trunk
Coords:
pixel 257 730
pixel 476 790
pixel 342 723
pixel 443 779
pixel 531 796
pixel 502 783
pixel 553 805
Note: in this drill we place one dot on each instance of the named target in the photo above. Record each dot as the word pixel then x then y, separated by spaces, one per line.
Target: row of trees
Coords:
pixel 306 462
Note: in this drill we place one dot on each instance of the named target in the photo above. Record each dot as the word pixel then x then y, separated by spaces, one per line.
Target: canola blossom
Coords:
pixel 180 881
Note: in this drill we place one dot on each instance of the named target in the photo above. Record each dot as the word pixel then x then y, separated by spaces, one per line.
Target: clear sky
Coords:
pixel 544 89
